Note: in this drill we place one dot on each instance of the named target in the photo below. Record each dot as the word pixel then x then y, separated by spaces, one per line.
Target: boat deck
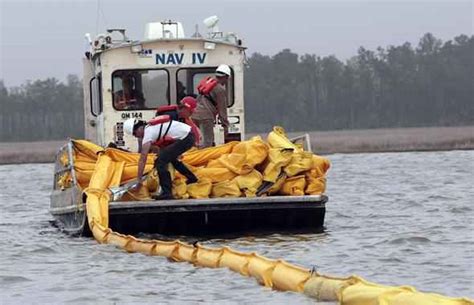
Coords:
pixel 217 203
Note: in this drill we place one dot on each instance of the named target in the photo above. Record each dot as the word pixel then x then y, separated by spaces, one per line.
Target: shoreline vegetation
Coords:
pixel 322 142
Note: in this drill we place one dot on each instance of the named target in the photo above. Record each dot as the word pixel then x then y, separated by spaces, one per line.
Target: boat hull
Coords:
pixel 198 217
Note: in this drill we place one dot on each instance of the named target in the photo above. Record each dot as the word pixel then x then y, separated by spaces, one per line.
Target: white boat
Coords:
pixel 160 69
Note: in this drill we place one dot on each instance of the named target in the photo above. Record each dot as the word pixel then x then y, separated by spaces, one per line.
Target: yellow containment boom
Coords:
pixel 113 167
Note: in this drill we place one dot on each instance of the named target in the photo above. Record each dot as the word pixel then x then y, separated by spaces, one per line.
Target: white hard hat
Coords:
pixel 128 126
pixel 223 70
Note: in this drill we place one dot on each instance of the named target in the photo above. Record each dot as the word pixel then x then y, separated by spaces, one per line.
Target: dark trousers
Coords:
pixel 170 154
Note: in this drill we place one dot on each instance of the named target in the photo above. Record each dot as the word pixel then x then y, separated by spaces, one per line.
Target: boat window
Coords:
pixel 189 78
pixel 140 89
pixel 95 97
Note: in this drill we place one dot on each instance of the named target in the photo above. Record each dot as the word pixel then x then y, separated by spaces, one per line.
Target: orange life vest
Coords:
pixel 165 108
pixel 163 138
pixel 195 130
pixel 206 85
pixel 159 120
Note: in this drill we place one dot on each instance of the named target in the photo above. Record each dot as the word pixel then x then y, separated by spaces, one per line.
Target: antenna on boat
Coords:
pixel 98 13
pixel 97 18
pixel 196 33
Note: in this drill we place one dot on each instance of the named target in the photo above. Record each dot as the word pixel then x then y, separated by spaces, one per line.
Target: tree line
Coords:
pixel 398 86
pixel 42 110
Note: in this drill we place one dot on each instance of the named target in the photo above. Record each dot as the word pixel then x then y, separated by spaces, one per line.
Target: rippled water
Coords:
pixel 393 218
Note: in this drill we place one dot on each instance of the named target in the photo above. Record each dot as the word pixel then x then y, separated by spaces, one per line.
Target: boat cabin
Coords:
pixel 125 78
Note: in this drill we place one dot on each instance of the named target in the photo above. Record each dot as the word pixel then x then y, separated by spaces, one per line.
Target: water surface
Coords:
pixel 392 218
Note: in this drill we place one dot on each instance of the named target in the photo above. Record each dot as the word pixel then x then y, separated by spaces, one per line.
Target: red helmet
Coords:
pixel 189 102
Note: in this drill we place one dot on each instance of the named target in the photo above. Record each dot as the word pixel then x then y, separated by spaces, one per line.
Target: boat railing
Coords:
pixel 303 140
pixel 61 169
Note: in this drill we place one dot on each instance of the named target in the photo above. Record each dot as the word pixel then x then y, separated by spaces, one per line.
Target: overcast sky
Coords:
pixel 42 39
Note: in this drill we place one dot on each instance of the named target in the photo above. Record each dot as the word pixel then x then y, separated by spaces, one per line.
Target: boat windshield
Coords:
pixel 140 89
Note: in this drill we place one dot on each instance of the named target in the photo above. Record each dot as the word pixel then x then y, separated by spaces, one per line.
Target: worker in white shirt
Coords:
pixel 173 139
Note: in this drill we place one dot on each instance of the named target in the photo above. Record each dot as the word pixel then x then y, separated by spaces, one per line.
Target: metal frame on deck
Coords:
pixel 305 138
